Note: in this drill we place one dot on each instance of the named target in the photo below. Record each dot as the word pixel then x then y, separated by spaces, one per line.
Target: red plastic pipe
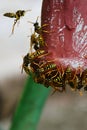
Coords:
pixel 67 32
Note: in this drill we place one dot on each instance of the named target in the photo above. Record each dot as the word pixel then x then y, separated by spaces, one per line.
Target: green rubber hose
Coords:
pixel 30 106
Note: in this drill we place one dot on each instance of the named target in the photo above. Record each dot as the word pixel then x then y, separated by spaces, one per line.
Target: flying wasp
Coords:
pixel 17 16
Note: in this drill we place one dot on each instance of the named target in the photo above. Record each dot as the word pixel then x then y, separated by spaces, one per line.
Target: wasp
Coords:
pixel 26 62
pixel 84 77
pixel 70 78
pixel 50 67
pixel 44 73
pixel 29 60
pixel 57 83
pixel 43 79
pixel 69 74
pixel 41 41
pixel 37 28
pixel 37 42
pixel 34 42
pixel 17 16
pixel 79 82
pixel 47 68
pixel 39 54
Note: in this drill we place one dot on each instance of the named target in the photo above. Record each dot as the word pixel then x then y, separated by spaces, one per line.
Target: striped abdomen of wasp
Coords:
pixel 26 62
pixel 43 73
pixel 41 41
pixel 48 70
pixel 58 82
pixel 34 42
pixel 17 16
pixel 46 67
pixel 38 54
pixel 10 15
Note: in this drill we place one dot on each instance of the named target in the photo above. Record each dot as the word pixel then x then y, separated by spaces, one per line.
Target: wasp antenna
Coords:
pixel 53 92
pixel 56 59
pixel 37 18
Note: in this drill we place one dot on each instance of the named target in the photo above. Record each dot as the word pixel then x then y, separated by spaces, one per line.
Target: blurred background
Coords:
pixel 66 111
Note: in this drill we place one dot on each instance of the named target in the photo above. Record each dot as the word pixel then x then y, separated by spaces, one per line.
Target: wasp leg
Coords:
pixel 15 21
pixel 45 31
pixel 57 89
pixel 85 56
pixel 44 25
pixel 81 94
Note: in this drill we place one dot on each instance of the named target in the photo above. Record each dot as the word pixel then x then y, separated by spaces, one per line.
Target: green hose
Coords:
pixel 30 106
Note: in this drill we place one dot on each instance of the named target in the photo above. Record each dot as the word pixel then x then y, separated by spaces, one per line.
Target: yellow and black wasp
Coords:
pixel 37 28
pixel 17 16
pixel 34 42
pixel 29 60
pixel 37 42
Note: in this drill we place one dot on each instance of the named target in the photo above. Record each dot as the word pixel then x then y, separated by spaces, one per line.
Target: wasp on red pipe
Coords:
pixel 31 57
pixel 37 28
pixel 36 42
